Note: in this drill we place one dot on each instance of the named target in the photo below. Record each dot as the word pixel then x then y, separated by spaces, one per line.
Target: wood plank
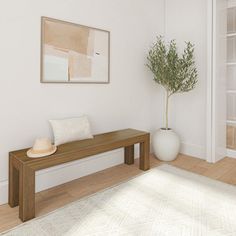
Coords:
pixel 26 193
pixel 217 170
pixel 144 152
pixel 98 140
pixel 129 155
pixel 186 162
pixel 229 177
pixel 83 148
pixel 13 190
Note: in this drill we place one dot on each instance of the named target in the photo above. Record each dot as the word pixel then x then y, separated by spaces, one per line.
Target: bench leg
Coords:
pixel 144 162
pixel 27 193
pixel 13 189
pixel 129 155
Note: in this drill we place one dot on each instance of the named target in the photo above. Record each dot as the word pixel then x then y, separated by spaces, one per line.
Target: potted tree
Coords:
pixel 177 74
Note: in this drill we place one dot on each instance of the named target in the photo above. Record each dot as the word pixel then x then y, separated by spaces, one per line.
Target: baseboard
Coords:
pixel 193 150
pixel 54 176
pixel 231 153
pixel 3 192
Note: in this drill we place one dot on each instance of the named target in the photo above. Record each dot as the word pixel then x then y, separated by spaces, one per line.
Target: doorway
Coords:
pixel 231 80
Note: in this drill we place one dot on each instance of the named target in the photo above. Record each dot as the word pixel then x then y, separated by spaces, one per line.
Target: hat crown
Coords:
pixel 41 144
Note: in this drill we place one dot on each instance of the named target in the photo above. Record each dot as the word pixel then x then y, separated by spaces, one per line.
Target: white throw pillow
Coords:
pixel 72 129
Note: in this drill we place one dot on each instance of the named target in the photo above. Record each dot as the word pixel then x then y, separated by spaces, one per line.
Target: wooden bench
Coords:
pixel 22 168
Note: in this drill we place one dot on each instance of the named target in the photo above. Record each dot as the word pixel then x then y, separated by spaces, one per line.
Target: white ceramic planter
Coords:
pixel 166 144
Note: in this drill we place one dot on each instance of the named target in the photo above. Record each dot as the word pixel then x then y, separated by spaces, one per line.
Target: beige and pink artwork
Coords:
pixel 74 53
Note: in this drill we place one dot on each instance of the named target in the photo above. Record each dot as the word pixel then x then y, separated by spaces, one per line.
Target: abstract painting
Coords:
pixel 72 53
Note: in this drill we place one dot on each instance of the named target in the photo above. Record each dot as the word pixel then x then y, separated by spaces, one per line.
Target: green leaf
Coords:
pixel 176 73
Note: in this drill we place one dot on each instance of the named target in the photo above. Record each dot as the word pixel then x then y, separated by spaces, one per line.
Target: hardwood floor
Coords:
pixel 231 136
pixel 49 200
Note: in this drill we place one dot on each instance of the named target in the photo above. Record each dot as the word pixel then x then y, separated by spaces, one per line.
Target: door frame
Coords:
pixel 211 145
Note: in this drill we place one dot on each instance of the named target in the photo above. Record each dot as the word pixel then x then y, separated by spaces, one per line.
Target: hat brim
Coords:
pixel 42 154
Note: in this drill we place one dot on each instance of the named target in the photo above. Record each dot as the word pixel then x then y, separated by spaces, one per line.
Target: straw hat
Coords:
pixel 42 147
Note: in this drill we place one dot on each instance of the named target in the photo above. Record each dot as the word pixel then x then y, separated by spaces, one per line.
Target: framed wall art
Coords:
pixel 73 53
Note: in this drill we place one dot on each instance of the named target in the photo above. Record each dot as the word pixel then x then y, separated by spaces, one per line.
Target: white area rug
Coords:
pixel 163 201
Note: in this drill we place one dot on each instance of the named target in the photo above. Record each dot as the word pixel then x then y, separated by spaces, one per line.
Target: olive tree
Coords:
pixel 176 73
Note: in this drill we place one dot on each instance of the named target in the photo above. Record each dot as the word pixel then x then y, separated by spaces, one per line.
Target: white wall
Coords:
pixel 26 105
pixel 186 21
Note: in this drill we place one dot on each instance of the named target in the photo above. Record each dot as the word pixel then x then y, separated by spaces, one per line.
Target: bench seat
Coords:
pixel 22 168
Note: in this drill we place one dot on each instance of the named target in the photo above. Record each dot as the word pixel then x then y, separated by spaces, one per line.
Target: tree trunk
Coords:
pixel 167 109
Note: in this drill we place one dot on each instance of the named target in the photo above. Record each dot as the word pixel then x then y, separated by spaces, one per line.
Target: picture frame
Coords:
pixel 73 53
